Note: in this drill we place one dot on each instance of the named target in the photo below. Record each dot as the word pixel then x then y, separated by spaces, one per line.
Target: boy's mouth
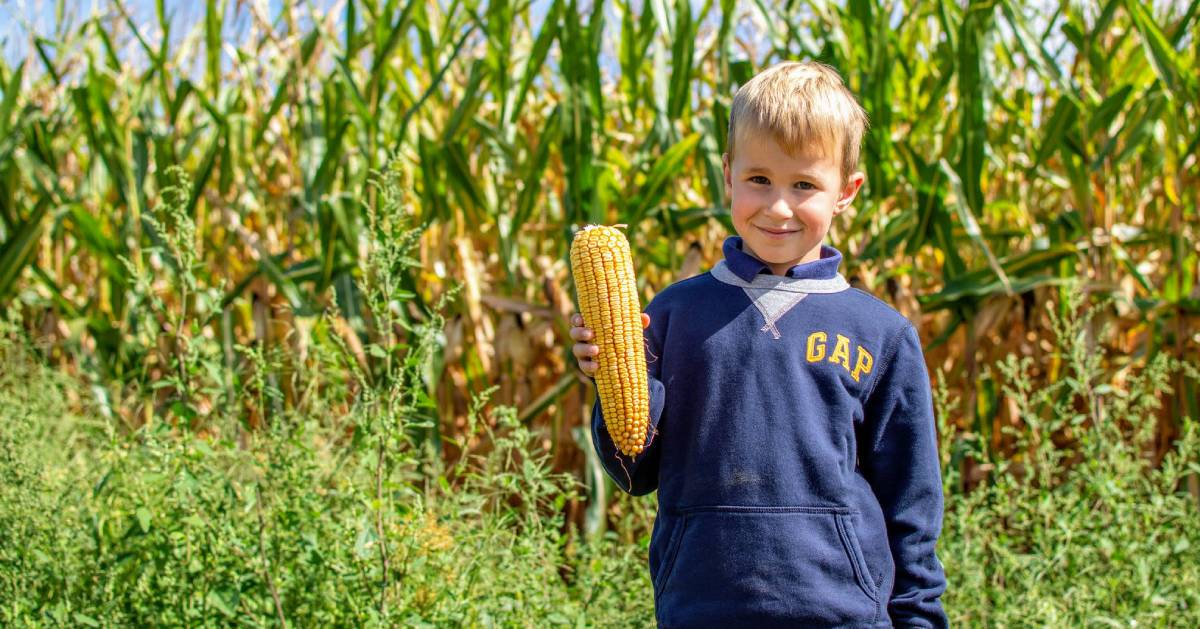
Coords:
pixel 776 232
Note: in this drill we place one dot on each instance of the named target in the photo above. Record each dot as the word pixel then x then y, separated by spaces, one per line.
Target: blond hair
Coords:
pixel 803 105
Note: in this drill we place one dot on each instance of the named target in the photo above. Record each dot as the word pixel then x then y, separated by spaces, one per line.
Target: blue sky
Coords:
pixel 19 18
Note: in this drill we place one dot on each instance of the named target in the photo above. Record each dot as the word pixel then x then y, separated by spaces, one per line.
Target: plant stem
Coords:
pixel 262 550
pixel 383 555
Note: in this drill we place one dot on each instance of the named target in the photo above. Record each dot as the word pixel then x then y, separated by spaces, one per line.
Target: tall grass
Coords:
pixel 276 528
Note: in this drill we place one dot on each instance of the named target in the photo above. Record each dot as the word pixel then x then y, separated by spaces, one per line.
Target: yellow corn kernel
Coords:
pixel 606 289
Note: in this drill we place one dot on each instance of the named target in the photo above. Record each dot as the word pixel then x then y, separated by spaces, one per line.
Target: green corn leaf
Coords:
pixel 282 91
pixel 769 21
pixel 351 29
pixel 710 153
pixel 12 90
pixel 464 184
pixel 1182 27
pixel 336 228
pixel 968 221
pixel 1055 131
pixel 110 52
pixel 928 182
pixel 535 169
pixel 330 161
pixel 682 50
pixel 663 17
pixel 550 396
pixel 1160 52
pixel 972 89
pixel 1138 129
pixel 212 45
pixel 184 90
pixel 949 21
pixel 472 95
pixel 595 37
pixel 665 169
pixel 91 234
pixel 1122 255
pixel 384 53
pixel 284 284
pixel 83 103
pixel 724 54
pixel 1036 52
pixel 204 173
pixel 39 44
pixel 56 293
pixel 1021 267
pixel 1103 115
pixel 433 86
pixel 356 96
pixel 16 252
pixel 537 58
pixel 137 33
pixel 1105 18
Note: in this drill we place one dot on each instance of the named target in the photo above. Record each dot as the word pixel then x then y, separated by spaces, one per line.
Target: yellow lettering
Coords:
pixel 816 346
pixel 841 352
pixel 863 364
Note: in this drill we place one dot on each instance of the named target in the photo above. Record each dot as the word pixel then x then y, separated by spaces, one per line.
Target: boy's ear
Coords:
pixel 728 175
pixel 853 183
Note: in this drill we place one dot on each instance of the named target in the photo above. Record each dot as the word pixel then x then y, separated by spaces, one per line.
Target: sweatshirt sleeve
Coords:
pixel 636 475
pixel 898 455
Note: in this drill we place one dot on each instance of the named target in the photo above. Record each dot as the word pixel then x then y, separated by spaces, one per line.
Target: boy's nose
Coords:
pixel 779 207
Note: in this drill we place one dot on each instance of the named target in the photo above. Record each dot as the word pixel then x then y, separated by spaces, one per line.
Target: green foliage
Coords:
pixel 1091 534
pixel 300 523
pixel 166 527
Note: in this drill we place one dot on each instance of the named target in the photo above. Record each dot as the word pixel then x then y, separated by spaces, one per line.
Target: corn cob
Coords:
pixel 607 293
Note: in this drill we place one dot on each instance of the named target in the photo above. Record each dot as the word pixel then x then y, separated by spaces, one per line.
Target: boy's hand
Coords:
pixel 585 352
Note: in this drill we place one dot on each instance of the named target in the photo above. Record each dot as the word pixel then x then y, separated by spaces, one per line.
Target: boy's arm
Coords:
pixel 636 475
pixel 898 455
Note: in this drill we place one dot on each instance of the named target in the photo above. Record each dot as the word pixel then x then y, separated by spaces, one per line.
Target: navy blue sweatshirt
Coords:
pixel 794 452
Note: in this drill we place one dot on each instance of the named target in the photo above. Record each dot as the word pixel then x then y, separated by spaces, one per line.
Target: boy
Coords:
pixel 792 441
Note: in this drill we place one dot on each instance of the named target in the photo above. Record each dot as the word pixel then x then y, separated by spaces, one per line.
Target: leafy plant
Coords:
pixel 1081 527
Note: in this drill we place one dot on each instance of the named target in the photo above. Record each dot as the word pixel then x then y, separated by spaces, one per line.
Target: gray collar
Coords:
pixel 764 281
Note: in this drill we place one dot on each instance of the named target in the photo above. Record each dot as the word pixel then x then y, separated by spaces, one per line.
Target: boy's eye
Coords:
pixel 756 179
pixel 804 185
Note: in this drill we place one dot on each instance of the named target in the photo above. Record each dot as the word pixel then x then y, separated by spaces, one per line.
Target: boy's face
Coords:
pixel 782 205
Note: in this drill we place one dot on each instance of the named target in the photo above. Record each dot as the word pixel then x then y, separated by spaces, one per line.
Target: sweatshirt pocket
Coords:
pixel 765 563
pixel 664 560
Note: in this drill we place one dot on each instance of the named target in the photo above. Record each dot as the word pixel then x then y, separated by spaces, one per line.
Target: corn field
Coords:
pixel 1015 154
